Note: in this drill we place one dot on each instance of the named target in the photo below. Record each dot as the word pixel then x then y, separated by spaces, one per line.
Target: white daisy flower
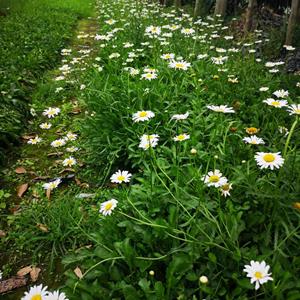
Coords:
pixel 263 89
pixel 294 109
pixel 281 93
pixel 56 296
pixel 147 141
pixel 149 76
pixel 258 272
pixel 179 65
pixel 225 189
pixel 289 48
pixel 51 112
pixel 120 176
pixel 71 136
pixel 35 140
pixel 269 160
pixel 221 108
pixel 52 184
pixel 168 56
pixel 45 125
pixel 187 31
pixel 155 30
pixel 72 149
pixel 180 116
pixel 58 143
pixel 143 115
pixel 219 60
pixel 214 178
pixel 69 162
pixel 37 292
pixel 110 22
pixel 108 206
pixel 254 140
pixel 276 103
pixel 181 137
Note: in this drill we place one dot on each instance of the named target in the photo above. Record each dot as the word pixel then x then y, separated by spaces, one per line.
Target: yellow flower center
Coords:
pixel 275 103
pixel 269 157
pixel 258 275
pixel 36 297
pixel 121 178
pixel 143 114
pixel 252 130
pixel 226 187
pixel 297 111
pixel 149 75
pixel 214 178
pixel 108 206
pixel 181 137
pixel 179 65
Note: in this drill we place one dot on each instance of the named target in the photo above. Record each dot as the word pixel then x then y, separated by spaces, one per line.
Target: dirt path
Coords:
pixel 40 162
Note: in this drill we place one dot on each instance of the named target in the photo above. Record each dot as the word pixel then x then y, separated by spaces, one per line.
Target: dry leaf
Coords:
pixel 28 137
pixel 2 233
pixel 20 170
pixel 34 274
pixel 55 154
pixel 24 271
pixel 78 182
pixel 67 170
pixel 22 189
pixel 42 227
pixel 40 178
pixel 78 272
pixel 48 193
pixel 12 283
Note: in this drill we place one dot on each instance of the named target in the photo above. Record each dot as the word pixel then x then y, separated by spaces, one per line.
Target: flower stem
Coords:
pixel 289 137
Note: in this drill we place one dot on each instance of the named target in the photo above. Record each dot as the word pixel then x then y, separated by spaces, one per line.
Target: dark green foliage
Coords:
pixel 31 36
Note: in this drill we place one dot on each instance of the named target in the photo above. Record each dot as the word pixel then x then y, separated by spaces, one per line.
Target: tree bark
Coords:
pixel 198 8
pixel 177 3
pixel 249 15
pixel 292 21
pixel 221 6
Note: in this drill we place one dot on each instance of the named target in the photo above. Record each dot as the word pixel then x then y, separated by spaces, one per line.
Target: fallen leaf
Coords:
pixel 22 189
pixel 67 170
pixel 34 274
pixel 78 182
pixel 38 178
pixel 20 170
pixel 2 233
pixel 24 271
pixel 42 227
pixel 48 193
pixel 55 154
pixel 12 283
pixel 78 272
pixel 27 137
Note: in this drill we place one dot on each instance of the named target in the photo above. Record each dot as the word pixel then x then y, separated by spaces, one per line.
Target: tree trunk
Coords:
pixel 292 21
pixel 177 3
pixel 165 2
pixel 249 15
pixel 221 6
pixel 198 8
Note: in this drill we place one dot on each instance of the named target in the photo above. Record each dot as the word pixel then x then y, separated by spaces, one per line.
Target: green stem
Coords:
pixel 289 137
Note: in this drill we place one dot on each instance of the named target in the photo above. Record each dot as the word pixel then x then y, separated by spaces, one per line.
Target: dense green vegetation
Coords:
pixel 31 35
pixel 173 102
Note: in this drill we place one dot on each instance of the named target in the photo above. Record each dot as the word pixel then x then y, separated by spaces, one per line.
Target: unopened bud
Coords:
pixel 193 151
pixel 203 279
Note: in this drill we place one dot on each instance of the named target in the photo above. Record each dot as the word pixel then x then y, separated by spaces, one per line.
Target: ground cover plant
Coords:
pixel 164 163
pixel 31 36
